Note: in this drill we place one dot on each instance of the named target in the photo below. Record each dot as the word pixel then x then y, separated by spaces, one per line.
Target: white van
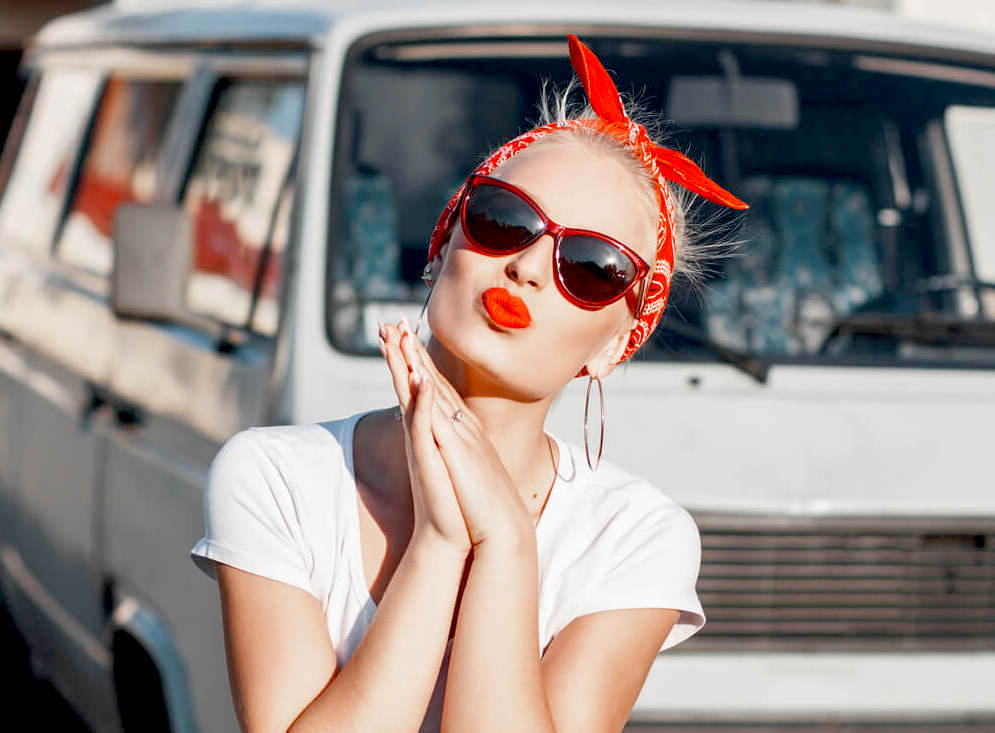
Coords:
pixel 204 211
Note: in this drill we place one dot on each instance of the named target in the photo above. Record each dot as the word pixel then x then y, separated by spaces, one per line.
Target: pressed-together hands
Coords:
pixel 460 488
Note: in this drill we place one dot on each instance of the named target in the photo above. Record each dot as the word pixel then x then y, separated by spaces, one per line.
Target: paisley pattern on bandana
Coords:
pixel 663 164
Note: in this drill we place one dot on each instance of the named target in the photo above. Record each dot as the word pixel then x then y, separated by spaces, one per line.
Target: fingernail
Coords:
pixel 380 327
pixel 407 324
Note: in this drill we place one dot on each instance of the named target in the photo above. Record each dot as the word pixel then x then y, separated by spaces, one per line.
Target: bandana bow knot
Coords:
pixel 663 164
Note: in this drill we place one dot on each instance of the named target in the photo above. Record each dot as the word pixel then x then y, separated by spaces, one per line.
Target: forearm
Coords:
pixel 494 681
pixel 389 679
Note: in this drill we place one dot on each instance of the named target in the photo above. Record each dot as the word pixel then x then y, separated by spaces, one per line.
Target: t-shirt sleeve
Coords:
pixel 251 515
pixel 652 563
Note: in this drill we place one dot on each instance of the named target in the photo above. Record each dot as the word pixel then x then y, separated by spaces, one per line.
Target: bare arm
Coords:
pixel 390 677
pixel 587 681
pixel 494 681
pixel 282 665
pixel 280 658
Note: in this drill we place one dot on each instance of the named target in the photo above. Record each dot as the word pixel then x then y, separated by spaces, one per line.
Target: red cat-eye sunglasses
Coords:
pixel 592 270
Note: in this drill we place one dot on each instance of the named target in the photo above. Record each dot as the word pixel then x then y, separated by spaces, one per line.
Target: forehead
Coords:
pixel 577 187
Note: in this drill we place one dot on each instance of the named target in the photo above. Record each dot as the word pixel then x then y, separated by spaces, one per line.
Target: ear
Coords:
pixel 604 362
pixel 437 263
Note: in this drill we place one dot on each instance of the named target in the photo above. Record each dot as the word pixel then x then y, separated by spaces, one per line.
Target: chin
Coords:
pixel 502 355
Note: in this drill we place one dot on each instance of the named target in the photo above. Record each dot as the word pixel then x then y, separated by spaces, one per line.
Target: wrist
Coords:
pixel 430 544
pixel 518 539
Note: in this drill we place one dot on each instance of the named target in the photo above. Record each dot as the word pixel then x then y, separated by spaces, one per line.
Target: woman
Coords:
pixel 422 543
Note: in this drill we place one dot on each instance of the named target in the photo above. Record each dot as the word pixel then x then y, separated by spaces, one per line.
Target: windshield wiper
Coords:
pixel 929 328
pixel 754 366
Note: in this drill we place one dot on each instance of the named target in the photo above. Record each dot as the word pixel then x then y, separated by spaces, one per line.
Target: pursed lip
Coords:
pixel 504 309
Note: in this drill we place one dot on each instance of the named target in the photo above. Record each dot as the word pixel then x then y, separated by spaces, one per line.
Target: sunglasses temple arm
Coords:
pixel 642 294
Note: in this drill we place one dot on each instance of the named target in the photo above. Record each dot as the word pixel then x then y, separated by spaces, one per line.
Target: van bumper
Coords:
pixel 817 687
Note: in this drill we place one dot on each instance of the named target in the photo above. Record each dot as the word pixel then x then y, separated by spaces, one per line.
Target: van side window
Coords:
pixel 239 193
pixel 46 157
pixel 121 166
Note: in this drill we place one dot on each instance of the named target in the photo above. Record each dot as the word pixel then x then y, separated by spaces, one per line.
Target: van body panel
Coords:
pixel 54 576
pixel 819 687
pixel 314 22
pixel 821 440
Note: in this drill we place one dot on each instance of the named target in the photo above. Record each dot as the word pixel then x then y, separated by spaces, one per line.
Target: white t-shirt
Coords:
pixel 281 502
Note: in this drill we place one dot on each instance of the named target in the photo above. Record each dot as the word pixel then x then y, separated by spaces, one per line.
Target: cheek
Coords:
pixel 563 339
pixel 575 335
pixel 460 263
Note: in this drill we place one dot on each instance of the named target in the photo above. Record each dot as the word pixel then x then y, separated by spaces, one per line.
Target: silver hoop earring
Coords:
pixel 422 314
pixel 601 440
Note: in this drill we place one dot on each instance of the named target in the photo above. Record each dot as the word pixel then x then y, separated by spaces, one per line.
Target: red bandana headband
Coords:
pixel 662 163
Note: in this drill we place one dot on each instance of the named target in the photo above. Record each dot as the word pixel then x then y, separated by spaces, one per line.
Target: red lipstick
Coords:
pixel 506 309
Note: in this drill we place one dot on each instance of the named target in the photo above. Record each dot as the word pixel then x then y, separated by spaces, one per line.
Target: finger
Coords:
pixel 422 353
pixel 448 433
pixel 412 350
pixel 418 356
pixel 424 460
pixel 445 395
pixel 397 365
pixel 420 420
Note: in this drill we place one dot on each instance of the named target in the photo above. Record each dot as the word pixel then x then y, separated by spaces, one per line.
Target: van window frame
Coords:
pixel 18 126
pixel 37 67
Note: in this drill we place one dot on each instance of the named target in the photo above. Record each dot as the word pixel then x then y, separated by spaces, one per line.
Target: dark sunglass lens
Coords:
pixel 594 270
pixel 498 220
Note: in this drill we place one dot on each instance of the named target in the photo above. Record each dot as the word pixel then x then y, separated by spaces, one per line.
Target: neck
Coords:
pixel 513 423
pixel 514 426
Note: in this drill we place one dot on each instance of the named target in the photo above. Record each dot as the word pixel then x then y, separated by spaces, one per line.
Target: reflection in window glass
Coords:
pixel 239 194
pixel 120 166
pixel 35 191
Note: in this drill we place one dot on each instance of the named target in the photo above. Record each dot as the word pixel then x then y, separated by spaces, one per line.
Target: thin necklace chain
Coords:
pixel 549 491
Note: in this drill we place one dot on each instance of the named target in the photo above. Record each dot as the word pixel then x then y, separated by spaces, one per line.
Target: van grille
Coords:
pixel 769 582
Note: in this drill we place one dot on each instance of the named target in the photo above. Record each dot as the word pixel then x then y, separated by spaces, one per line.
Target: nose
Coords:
pixel 531 266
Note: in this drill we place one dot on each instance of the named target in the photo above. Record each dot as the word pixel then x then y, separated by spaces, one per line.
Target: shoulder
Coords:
pixel 285 446
pixel 281 462
pixel 633 546
pixel 623 506
pixel 270 502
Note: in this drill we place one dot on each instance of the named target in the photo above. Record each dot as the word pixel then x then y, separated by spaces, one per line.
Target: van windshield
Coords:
pixel 854 167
